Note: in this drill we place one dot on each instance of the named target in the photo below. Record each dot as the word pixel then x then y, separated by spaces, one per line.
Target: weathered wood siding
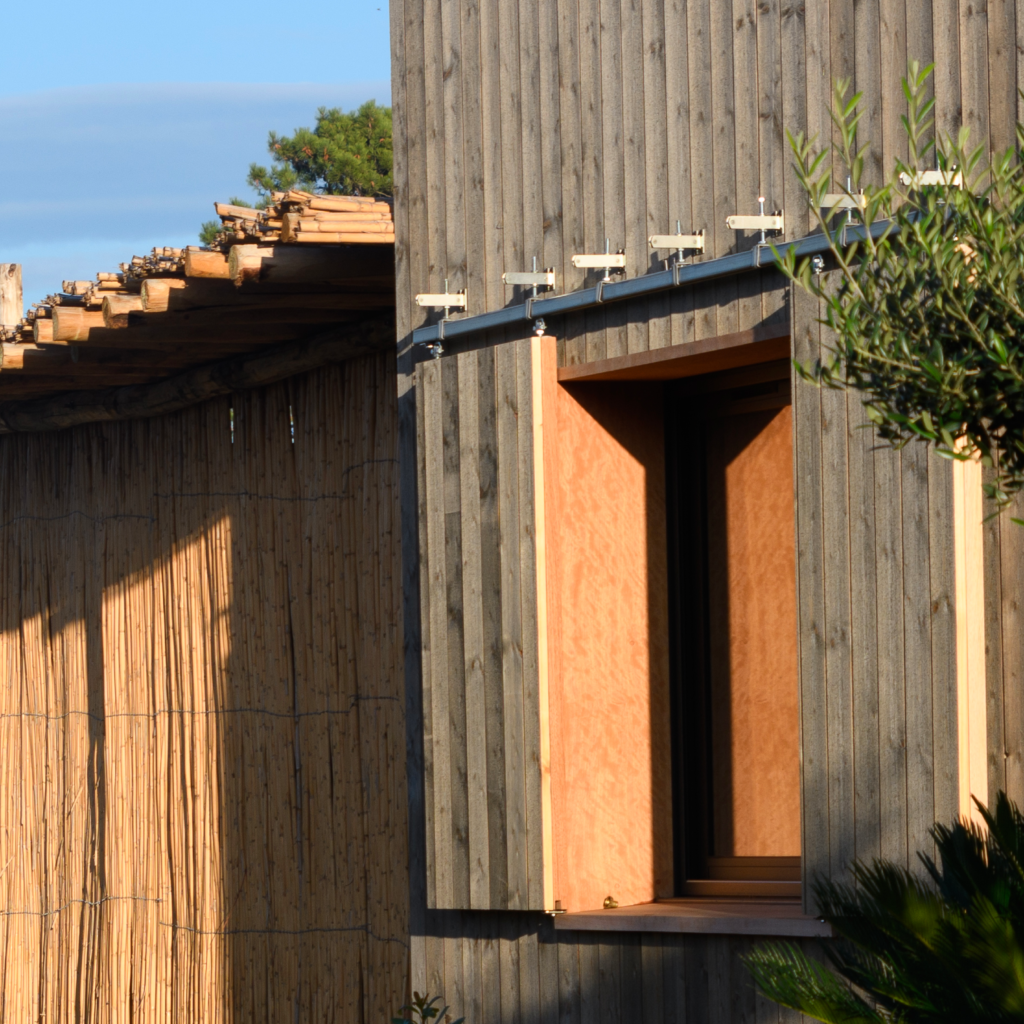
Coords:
pixel 876 589
pixel 526 129
pixel 478 585
pixel 516 968
pixel 1004 636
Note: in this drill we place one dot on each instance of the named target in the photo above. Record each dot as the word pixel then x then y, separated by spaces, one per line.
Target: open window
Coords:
pixel 669 577
pixel 732 601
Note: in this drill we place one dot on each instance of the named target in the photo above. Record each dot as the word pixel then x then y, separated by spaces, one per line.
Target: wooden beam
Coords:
pixel 177 295
pixel 299 264
pixel 254 335
pixel 707 355
pixel 240 373
pixel 11 300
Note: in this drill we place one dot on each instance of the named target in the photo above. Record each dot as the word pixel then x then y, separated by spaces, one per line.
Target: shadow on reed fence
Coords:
pixel 203 807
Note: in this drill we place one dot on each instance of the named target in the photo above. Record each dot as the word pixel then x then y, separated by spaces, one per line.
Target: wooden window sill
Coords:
pixel 701 917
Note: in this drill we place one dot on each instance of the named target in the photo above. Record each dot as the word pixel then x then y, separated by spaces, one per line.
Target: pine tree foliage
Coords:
pixel 345 154
pixel 928 316
pixel 947 948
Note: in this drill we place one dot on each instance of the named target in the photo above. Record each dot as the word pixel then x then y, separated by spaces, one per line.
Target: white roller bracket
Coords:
pixel 445 300
pixel 757 222
pixel 606 261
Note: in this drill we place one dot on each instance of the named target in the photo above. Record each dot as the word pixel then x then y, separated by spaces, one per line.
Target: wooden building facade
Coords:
pixel 548 486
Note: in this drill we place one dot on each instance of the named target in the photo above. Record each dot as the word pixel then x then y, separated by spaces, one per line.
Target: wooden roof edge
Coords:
pixel 140 401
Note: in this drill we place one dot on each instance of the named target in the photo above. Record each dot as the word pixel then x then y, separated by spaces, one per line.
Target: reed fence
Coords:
pixel 202 789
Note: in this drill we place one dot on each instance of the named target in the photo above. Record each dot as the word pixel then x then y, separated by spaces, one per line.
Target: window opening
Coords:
pixel 733 654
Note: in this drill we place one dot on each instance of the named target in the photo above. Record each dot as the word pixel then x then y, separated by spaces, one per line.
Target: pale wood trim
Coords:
pixel 968 538
pixel 708 355
pixel 542 352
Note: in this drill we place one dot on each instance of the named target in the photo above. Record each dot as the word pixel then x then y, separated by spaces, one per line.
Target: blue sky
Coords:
pixel 120 128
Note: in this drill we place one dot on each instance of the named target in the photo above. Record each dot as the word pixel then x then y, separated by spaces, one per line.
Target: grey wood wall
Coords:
pixel 516 969
pixel 1004 646
pixel 478 587
pixel 538 129
pixel 876 606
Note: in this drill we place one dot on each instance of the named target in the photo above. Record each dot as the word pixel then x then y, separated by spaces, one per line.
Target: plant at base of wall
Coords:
pixel 422 1009
pixel 946 949
pixel 927 310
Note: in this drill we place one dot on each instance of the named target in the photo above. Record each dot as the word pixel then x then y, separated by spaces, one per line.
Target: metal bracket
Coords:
pixel 605 261
pixel 837 201
pixel 761 222
pixel 678 241
pixel 921 179
pixel 531 279
pixel 442 300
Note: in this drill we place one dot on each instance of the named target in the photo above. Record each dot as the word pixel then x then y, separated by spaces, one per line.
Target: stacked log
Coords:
pixel 298 216
pixel 273 276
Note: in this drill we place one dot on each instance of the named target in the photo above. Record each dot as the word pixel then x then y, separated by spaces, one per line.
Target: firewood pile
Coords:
pixel 304 217
pixel 273 276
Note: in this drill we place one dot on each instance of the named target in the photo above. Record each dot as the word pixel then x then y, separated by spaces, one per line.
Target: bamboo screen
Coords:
pixel 202 805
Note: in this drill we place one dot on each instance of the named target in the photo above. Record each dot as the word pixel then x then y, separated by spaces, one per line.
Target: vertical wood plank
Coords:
pixel 652 967
pixel 944 666
pixel 569 996
pixel 590 978
pixel 891 679
pixel 472 217
pixel 917 634
pixel 677 130
pixel 549 974
pixel 609 958
pixel 632 981
pixel 473 631
pixel 434 155
pixel 491 144
pixel 868 80
pixel 726 201
pixel 551 119
pixel 490 972
pixel 493 648
pixel 1011 620
pixel 893 50
pixel 573 156
pixel 634 177
pixel 838 627
pixel 512 163
pixel 946 78
pixel 613 158
pixel 592 135
pixel 455 735
pixel 505 375
pixel 702 166
pixel 751 173
pixel 508 967
pixel 807 475
pixel 455 263
pixel 974 74
pixel 1002 74
pixel 533 797
pixel 532 138
pixel 864 648
pixel 656 112
pixel 437 639
pixel 529 978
